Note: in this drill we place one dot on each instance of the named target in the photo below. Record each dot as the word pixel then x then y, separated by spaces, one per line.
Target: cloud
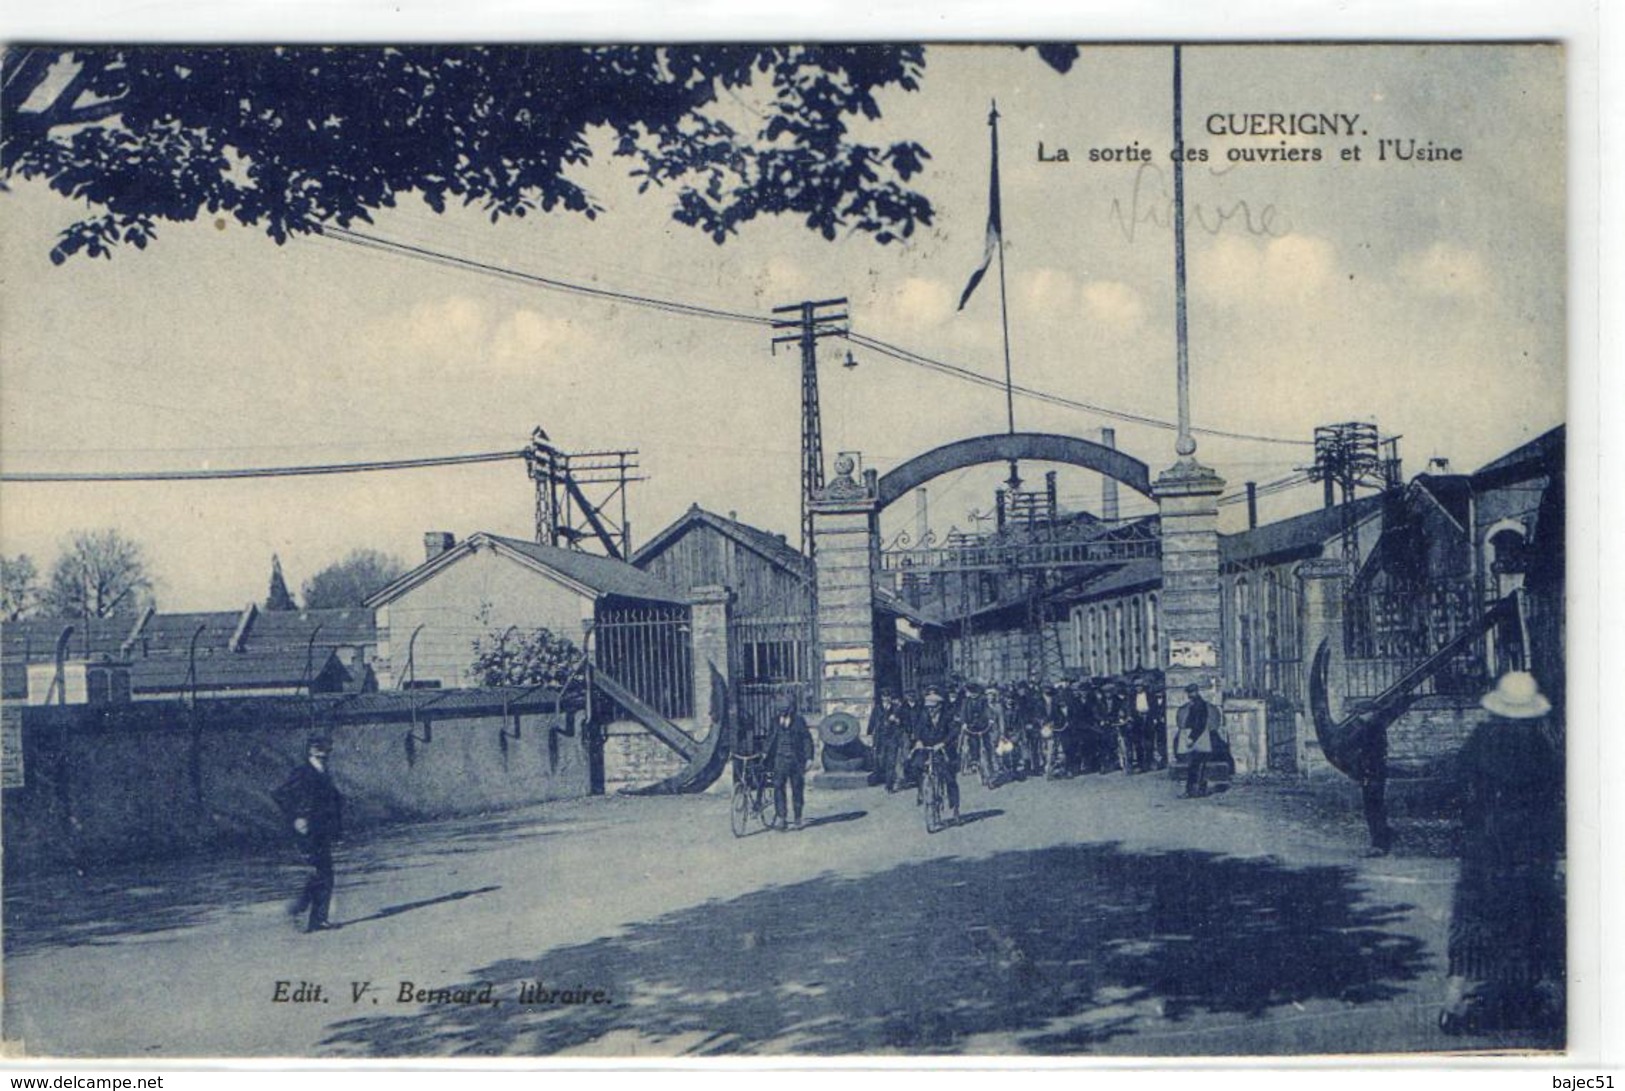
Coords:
pixel 1445 270
pixel 1048 292
pixel 473 336
pixel 1243 271
pixel 918 303
pixel 1113 306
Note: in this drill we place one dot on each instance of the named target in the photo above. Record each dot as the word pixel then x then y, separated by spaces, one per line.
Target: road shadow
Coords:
pixel 1056 950
pixel 979 816
pixel 832 819
pixel 407 907
pixel 118 903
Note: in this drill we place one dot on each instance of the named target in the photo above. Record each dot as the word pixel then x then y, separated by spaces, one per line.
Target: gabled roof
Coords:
pixel 771 547
pixel 172 633
pixel 1140 574
pixel 294 628
pixel 1541 455
pixel 593 576
pixel 1452 492
pixel 1298 537
pixel 237 670
pixel 35 638
pixel 888 602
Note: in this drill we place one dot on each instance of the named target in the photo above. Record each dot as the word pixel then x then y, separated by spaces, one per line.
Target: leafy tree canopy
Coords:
pixel 100 573
pixel 293 138
pixel 348 582
pixel 19 587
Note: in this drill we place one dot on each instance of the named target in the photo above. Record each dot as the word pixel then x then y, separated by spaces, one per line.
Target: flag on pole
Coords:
pixel 995 226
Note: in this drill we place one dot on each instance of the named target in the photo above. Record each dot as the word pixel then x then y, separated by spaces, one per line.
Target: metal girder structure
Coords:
pixel 581 497
pixel 1011 553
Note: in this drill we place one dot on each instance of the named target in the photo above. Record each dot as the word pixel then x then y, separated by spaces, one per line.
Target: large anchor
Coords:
pixel 1343 741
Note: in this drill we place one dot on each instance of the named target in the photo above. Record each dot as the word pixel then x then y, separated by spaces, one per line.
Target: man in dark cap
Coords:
pixel 936 728
pixel 1196 720
pixel 976 723
pixel 789 751
pixel 315 809
pixel 886 736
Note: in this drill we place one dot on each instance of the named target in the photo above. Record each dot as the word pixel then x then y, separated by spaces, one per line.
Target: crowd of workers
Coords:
pixel 1023 729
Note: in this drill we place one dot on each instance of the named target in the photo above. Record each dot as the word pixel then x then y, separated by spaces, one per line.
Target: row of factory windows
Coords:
pixel 1118 637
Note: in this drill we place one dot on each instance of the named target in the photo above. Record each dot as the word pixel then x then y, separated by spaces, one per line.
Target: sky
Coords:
pixel 1427 297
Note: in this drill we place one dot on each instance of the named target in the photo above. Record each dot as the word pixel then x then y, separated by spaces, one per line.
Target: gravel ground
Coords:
pixel 1096 916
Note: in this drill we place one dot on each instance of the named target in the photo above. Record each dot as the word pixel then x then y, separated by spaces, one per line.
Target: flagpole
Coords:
pixel 1004 312
pixel 1185 445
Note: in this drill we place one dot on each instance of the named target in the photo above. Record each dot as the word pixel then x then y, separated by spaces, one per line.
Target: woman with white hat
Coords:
pixel 1507 925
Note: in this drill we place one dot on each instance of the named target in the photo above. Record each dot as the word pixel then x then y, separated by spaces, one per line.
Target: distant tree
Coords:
pixel 19 587
pixel 516 657
pixel 278 597
pixel 100 573
pixel 293 138
pixel 350 581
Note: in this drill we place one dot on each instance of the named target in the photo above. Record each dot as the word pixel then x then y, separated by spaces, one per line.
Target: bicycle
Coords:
pixel 1054 757
pixel 980 746
pixel 753 794
pixel 934 785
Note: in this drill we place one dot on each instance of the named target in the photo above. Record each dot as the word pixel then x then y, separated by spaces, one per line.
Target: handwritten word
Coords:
pixel 1151 203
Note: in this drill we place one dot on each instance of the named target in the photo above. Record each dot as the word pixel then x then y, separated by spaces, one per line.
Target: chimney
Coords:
pixel 1252 505
pixel 1108 485
pixel 922 516
pixel 437 542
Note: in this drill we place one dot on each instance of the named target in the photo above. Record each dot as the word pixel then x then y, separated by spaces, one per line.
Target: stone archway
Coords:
pixel 845 525
pixel 1008 446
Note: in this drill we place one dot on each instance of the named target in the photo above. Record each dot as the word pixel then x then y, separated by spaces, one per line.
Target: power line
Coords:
pixel 437 257
pixel 11 478
pixel 911 357
pixel 1269 489
pixel 695 310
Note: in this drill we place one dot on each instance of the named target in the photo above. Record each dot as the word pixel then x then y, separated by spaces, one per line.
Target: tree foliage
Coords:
pixel 277 596
pixel 347 583
pixel 514 657
pixel 19 587
pixel 100 573
pixel 292 138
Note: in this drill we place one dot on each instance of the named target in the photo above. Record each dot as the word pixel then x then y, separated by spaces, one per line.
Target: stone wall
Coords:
pixel 145 780
pixel 1427 738
pixel 635 758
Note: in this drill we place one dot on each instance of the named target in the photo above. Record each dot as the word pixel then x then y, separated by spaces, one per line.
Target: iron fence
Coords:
pixel 1261 622
pixel 1390 630
pixel 772 657
pixel 650 652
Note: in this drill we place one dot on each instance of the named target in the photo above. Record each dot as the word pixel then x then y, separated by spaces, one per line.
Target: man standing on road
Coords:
pixel 789 750
pixel 315 809
pixel 886 736
pixel 1195 739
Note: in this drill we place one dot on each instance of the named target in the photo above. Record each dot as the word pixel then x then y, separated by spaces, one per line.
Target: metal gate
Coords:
pixel 650 651
pixel 772 654
pixel 1261 626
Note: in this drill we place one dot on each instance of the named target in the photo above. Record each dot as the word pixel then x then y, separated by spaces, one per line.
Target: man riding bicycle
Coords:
pixel 935 732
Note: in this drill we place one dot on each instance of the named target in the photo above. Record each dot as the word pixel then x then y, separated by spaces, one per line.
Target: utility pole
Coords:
pixel 812 320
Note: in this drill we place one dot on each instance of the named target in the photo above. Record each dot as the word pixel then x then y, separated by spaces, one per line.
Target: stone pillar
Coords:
pixel 708 636
pixel 1325 582
pixel 845 555
pixel 1188 499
